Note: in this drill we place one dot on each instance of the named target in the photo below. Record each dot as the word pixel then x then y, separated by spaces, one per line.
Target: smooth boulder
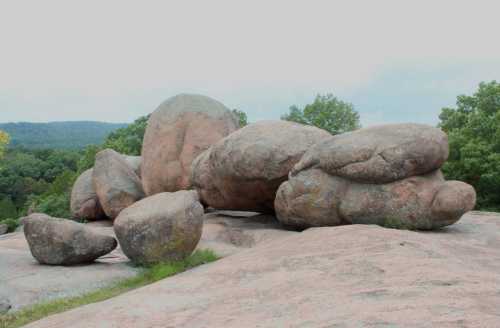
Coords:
pixel 313 198
pixel 379 154
pixel 64 242
pixel 115 182
pixel 84 201
pixel 244 170
pixel 178 131
pixel 160 228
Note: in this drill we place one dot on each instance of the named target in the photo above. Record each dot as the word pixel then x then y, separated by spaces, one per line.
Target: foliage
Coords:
pixel 58 135
pixel 7 208
pixel 326 112
pixel 147 276
pixel 241 116
pixel 128 140
pixel 12 224
pixel 4 141
pixel 473 129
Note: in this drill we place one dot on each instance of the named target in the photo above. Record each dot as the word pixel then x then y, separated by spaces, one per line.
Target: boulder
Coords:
pixel 64 242
pixel 5 305
pixel 244 170
pixel 3 229
pixel 379 154
pixel 314 198
pixel 159 228
pixel 178 131
pixel 84 201
pixel 134 162
pixel 115 182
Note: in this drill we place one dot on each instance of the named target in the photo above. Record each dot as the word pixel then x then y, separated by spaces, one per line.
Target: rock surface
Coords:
pixel 134 162
pixel 25 282
pixel 179 130
pixel 84 202
pixel 244 170
pixel 314 198
pixel 115 182
pixel 5 305
pixel 349 276
pixel 161 228
pixel 379 154
pixel 64 242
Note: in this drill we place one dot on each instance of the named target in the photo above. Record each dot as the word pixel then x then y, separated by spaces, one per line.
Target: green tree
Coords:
pixel 473 129
pixel 326 112
pixel 4 141
pixel 7 208
pixel 241 116
pixel 128 140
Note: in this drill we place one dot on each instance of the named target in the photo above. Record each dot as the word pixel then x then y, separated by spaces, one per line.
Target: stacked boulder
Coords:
pixel 387 175
pixel 244 170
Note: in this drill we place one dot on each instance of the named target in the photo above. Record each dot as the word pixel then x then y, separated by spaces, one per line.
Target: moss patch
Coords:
pixel 149 275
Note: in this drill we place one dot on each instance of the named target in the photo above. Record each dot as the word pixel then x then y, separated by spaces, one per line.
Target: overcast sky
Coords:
pixel 113 61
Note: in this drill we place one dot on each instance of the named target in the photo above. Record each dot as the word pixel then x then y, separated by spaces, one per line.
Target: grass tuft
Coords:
pixel 147 276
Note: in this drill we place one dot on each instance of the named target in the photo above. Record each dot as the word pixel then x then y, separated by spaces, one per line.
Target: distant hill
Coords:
pixel 59 135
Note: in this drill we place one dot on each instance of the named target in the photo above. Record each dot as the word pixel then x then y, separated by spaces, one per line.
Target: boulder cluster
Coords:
pixel 195 156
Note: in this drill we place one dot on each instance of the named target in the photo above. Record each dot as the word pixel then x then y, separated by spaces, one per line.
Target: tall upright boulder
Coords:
pixel 178 131
pixel 244 170
pixel 115 182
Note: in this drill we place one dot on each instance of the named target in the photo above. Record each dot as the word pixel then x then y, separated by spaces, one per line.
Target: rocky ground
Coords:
pixel 24 282
pixel 347 276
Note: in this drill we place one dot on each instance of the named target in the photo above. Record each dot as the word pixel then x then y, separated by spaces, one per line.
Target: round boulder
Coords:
pixel 64 242
pixel 244 170
pixel 314 198
pixel 84 201
pixel 116 184
pixel 379 154
pixel 178 131
pixel 161 228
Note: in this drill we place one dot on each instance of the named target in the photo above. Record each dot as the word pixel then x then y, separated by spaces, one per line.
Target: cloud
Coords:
pixel 115 60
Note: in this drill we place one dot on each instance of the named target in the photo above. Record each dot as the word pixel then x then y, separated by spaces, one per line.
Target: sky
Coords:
pixel 395 61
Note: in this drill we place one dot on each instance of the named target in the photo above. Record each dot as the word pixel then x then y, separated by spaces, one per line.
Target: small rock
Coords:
pixel 3 229
pixel 64 242
pixel 163 227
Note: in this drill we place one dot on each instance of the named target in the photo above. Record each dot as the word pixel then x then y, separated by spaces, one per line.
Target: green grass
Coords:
pixel 147 276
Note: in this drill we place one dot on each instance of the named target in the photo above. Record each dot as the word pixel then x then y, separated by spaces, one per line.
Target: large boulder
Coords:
pixel 64 242
pixel 134 162
pixel 163 227
pixel 115 182
pixel 379 154
pixel 244 170
pixel 178 131
pixel 314 198
pixel 84 201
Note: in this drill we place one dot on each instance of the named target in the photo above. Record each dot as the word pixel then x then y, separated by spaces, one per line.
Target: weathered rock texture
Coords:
pixel 84 201
pixel 64 242
pixel 134 162
pixel 349 276
pixel 314 198
pixel 115 182
pixel 387 175
pixel 163 227
pixel 379 154
pixel 244 170
pixel 178 131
